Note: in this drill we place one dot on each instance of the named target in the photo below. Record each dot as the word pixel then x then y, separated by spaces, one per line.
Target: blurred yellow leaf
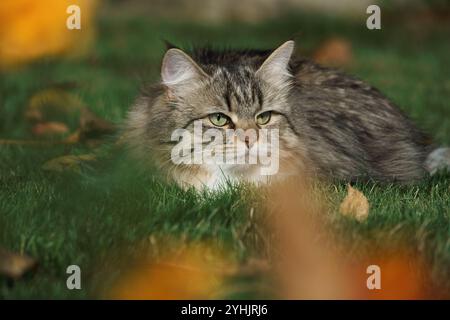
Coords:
pixel 73 138
pixel 68 163
pixel 31 29
pixel 197 272
pixel 334 52
pixel 48 129
pixel 15 265
pixel 355 204
pixel 93 127
pixel 52 104
pixel 50 109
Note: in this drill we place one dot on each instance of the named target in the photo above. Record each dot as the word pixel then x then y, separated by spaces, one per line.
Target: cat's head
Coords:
pixel 243 96
pixel 243 93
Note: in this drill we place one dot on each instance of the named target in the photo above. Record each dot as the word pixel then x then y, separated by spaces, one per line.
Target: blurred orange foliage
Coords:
pixel 309 264
pixel 197 271
pixel 403 277
pixel 31 29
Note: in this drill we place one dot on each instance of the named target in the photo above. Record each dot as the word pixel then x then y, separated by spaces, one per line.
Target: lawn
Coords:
pixel 98 217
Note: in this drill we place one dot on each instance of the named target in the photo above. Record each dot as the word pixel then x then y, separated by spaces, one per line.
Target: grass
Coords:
pixel 91 218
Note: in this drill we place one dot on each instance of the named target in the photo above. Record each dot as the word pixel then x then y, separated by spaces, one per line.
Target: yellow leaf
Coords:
pixel 92 126
pixel 195 272
pixel 334 52
pixel 68 163
pixel 52 104
pixel 32 29
pixel 49 129
pixel 15 265
pixel 355 205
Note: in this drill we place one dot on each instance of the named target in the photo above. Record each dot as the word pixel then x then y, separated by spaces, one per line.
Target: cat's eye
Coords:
pixel 263 118
pixel 219 119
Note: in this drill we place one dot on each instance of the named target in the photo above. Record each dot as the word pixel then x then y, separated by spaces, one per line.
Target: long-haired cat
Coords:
pixel 330 125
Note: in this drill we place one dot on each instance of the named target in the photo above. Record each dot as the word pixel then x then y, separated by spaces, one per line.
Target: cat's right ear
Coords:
pixel 275 69
pixel 169 45
pixel 179 69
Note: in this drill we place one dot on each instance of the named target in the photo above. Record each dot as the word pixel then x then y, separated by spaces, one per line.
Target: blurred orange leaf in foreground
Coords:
pixel 196 272
pixel 403 276
pixel 310 260
pixel 334 52
pixel 31 29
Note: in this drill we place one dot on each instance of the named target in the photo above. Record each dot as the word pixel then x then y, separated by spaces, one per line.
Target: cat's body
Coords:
pixel 330 125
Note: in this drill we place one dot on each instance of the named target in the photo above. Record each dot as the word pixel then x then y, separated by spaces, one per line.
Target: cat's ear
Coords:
pixel 169 45
pixel 179 69
pixel 275 68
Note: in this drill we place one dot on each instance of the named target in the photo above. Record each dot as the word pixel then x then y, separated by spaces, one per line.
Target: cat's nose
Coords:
pixel 249 137
pixel 247 142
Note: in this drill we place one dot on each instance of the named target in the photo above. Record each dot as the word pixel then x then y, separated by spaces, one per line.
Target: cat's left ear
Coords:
pixel 178 69
pixel 275 69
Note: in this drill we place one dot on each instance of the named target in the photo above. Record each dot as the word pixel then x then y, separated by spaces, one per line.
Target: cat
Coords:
pixel 331 125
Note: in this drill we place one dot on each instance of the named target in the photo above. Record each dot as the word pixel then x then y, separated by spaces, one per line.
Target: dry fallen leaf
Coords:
pixel 49 111
pixel 49 129
pixel 334 52
pixel 32 143
pixel 355 204
pixel 14 265
pixel 73 138
pixel 93 128
pixel 52 104
pixel 68 163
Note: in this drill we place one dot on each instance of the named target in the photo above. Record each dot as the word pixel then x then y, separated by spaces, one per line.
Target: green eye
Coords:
pixel 263 118
pixel 218 119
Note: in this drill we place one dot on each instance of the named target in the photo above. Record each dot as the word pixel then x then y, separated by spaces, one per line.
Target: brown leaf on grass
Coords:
pixel 68 163
pixel 49 129
pixel 91 131
pixel 33 143
pixel 52 104
pixel 355 205
pixel 334 52
pixel 92 127
pixel 73 137
pixel 51 109
pixel 14 265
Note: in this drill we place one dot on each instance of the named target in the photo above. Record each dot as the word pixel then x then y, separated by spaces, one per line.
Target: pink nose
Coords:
pixel 247 142
pixel 249 137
